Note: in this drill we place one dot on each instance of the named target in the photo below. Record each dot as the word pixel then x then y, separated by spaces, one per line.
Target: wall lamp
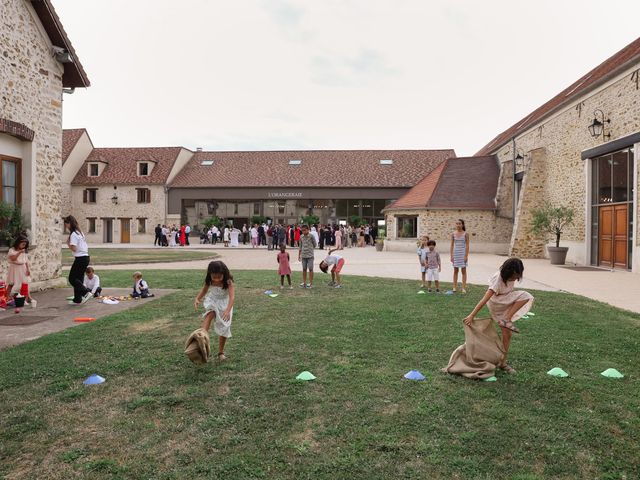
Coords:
pixel 519 161
pixel 597 127
pixel 114 199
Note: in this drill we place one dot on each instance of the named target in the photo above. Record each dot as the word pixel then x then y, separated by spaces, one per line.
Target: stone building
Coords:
pixel 118 195
pixel 37 63
pixel 459 188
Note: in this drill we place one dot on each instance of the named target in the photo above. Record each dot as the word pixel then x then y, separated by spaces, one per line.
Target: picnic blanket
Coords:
pixel 197 346
pixel 480 353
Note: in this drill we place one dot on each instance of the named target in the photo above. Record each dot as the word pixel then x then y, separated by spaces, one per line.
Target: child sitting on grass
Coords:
pixel 505 304
pixel 140 287
pixel 338 262
pixel 92 282
pixel 218 293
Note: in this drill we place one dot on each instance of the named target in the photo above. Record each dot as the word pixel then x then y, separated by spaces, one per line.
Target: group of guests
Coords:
pixel 172 236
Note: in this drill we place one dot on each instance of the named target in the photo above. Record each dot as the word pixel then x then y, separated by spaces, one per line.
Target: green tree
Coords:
pixel 12 222
pixel 550 220
pixel 259 219
pixel 211 221
pixel 310 220
pixel 356 220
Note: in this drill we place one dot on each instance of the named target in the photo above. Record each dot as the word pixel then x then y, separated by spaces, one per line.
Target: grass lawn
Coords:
pixel 160 417
pixel 120 256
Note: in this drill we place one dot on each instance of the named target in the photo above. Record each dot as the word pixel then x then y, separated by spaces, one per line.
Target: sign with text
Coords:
pixel 284 194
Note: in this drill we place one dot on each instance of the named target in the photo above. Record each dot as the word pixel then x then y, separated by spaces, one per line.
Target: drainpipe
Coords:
pixel 513 179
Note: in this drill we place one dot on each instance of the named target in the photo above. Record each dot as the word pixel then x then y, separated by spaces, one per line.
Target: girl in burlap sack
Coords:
pixel 505 304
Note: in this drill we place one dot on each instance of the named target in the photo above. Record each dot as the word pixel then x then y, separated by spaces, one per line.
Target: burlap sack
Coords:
pixel 197 347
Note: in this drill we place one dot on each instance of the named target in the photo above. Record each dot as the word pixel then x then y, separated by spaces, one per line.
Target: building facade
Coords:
pixel 37 62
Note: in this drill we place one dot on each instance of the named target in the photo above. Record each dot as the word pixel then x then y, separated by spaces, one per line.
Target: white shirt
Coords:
pixel 92 283
pixel 82 249
pixel 187 229
pixel 332 259
pixel 140 285
pixel 254 232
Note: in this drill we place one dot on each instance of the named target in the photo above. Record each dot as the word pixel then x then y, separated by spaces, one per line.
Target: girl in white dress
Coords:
pixel 218 292
pixel 505 304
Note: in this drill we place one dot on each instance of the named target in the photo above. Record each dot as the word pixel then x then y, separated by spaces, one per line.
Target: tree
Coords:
pixel 12 223
pixel 310 220
pixel 211 221
pixel 550 220
pixel 259 219
pixel 356 220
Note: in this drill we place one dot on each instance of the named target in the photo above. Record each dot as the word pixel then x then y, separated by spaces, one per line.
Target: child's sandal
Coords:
pixel 221 357
pixel 507 368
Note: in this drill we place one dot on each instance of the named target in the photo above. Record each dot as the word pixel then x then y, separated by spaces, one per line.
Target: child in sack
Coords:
pixel 140 287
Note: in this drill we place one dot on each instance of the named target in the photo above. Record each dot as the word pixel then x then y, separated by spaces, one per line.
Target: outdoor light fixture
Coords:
pixel 597 127
pixel 519 162
pixel 114 199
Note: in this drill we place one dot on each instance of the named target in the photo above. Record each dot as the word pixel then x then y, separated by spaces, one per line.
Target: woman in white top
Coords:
pixel 78 246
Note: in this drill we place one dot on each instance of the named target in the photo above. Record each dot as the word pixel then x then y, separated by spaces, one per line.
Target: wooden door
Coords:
pixel 620 235
pixel 125 226
pixel 613 236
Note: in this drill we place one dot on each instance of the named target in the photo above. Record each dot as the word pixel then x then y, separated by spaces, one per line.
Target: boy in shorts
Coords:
pixel 434 267
pixel 307 247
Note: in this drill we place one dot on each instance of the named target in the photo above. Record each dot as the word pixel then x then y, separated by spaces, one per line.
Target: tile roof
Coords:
pixel 69 139
pixel 464 183
pixel 598 75
pixel 121 166
pixel 318 168
pixel 74 74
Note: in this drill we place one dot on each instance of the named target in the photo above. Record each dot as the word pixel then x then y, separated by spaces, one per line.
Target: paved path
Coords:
pixel 618 288
pixel 54 314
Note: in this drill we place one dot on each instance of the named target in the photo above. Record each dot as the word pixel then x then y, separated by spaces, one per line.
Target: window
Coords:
pixel 144 195
pixel 90 195
pixel 235 209
pixel 93 170
pixel 143 169
pixel 256 208
pixel 407 227
pixel 142 225
pixel 11 180
pixel 91 225
pixel 281 207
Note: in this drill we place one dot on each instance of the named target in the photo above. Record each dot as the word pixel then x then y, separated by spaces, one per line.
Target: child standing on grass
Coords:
pixel 218 293
pixel 422 258
pixel 434 266
pixel 505 304
pixel 460 254
pixel 338 262
pixel 284 267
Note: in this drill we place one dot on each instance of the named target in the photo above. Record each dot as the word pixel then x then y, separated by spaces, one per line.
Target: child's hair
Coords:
pixel 283 247
pixel 19 240
pixel 323 266
pixel 218 267
pixel 137 274
pixel 73 224
pixel 89 270
pixel 431 242
pixel 510 267
pixel 464 229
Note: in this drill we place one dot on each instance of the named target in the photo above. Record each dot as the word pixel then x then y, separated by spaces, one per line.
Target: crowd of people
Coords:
pixel 172 236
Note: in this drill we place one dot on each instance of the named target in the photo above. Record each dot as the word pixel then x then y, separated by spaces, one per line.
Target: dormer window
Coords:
pixel 295 162
pixel 143 169
pixel 94 170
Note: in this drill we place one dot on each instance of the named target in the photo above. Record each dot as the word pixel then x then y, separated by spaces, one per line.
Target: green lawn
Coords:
pixel 120 256
pixel 160 417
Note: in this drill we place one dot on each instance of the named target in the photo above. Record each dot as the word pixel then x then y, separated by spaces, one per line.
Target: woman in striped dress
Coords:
pixel 460 254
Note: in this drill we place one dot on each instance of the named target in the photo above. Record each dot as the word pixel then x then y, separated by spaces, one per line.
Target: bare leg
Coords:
pixel 422 274
pixel 333 277
pixel 206 323
pixel 337 278
pixel 428 285
pixel 289 279
pixel 438 285
pixel 464 279
pixel 282 280
pixel 514 308
pixel 506 342
pixel 221 342
pixel 304 277
pixel 455 278
pixel 310 277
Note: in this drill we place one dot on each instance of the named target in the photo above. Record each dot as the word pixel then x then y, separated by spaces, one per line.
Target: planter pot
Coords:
pixel 557 255
pixel 379 247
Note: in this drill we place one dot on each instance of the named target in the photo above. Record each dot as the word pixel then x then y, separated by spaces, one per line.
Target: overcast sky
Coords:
pixel 328 74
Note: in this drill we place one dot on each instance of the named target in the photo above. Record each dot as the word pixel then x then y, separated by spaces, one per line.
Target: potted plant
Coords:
pixel 550 220
pixel 379 244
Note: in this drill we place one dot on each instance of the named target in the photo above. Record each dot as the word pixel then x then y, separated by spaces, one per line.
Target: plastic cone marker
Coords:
pixel 421 292
pixel 612 373
pixel 268 292
pixel 531 314
pixel 449 292
pixel 306 376
pixel 414 375
pixel 490 379
pixel 273 295
pixel 94 380
pixel 557 372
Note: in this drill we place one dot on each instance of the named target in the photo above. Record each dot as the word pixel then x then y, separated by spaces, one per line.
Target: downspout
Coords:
pixel 513 180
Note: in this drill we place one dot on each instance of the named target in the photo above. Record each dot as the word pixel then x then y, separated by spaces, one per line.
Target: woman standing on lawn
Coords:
pixel 78 246
pixel 460 254
pixel 505 304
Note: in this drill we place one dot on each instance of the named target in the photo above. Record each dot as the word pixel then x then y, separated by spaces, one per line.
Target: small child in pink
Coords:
pixel 284 268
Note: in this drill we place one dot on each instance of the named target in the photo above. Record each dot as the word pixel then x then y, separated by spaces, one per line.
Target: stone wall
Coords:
pixel 70 168
pixel 488 233
pixel 564 136
pixel 127 207
pixel 31 94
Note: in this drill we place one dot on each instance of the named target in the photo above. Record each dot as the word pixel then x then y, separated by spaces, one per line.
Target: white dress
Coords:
pixel 235 233
pixel 217 300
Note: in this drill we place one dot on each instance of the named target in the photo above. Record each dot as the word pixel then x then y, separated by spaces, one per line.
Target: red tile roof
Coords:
pixel 458 183
pixel 610 67
pixel 69 139
pixel 122 166
pixel 74 74
pixel 318 168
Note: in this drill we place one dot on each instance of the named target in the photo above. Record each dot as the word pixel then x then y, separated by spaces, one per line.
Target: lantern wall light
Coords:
pixel 597 127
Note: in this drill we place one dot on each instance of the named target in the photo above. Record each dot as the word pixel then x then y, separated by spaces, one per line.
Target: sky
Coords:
pixel 328 74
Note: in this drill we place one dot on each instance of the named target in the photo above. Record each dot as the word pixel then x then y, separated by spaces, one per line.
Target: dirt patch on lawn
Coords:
pixel 159 324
